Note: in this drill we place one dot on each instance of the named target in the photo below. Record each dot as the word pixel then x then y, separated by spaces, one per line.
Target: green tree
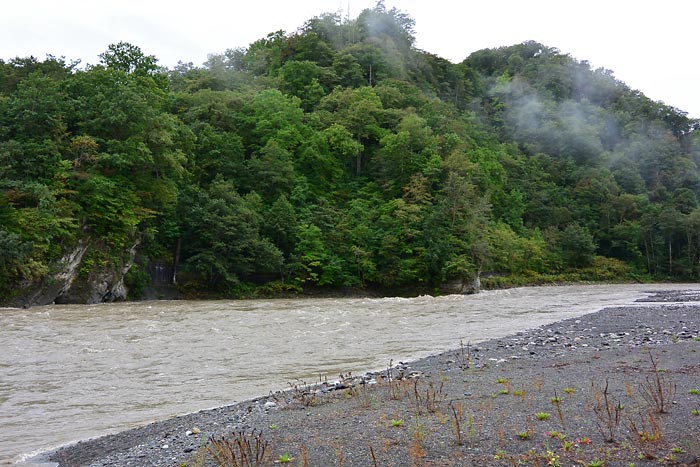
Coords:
pixel 271 172
pixel 360 111
pixel 307 81
pixel 221 241
pixel 576 245
pixel 271 114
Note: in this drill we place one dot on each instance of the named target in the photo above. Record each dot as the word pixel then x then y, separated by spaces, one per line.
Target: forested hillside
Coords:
pixel 337 156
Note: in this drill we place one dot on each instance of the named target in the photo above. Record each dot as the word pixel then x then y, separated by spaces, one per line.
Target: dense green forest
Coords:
pixel 340 155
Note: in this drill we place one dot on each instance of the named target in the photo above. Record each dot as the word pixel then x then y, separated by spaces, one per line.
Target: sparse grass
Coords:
pixel 556 401
pixel 506 386
pixel 416 450
pixel 303 393
pixel 646 434
pixel 436 411
pixel 538 383
pixel 243 450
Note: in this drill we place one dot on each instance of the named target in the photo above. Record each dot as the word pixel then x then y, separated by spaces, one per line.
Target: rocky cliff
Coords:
pixel 85 274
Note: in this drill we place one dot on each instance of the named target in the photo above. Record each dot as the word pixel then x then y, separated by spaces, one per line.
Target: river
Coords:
pixel 71 372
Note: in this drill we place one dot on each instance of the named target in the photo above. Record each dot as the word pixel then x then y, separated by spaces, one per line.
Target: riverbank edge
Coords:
pixel 176 441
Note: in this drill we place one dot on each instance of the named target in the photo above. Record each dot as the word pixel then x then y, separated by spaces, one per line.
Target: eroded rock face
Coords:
pixel 72 284
pixel 102 284
pixel 462 287
pixel 58 283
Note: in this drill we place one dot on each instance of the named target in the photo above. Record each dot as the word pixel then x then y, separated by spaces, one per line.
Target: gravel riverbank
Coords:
pixel 536 398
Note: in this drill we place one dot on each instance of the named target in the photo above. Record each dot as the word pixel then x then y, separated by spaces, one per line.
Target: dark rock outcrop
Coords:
pixel 73 281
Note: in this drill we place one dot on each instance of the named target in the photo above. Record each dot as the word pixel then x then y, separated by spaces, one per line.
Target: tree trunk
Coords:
pixel 176 259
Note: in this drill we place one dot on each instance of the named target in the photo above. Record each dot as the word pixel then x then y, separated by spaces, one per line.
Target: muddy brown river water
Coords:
pixel 74 372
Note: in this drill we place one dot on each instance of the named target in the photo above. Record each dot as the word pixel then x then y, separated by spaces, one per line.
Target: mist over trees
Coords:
pixel 339 155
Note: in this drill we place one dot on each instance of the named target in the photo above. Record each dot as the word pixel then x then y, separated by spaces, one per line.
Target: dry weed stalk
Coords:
pixel 416 450
pixel 433 398
pixel 394 383
pixel 338 454
pixel 607 413
pixel 244 450
pixel 304 393
pixel 464 358
pixel 457 413
pixel 374 457
pixel 304 455
pixel 656 390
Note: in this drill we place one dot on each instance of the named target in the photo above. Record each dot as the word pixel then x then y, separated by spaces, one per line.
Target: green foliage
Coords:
pixel 340 155
pixel 221 236
pixel 136 281
pixel 576 245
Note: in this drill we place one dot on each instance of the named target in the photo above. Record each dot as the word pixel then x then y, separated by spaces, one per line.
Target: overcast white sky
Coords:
pixel 651 46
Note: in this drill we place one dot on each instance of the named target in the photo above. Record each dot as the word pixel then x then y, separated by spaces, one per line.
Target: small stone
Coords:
pixel 270 404
pixel 165 446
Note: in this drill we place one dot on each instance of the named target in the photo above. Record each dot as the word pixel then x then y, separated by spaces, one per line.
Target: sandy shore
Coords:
pixel 535 398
